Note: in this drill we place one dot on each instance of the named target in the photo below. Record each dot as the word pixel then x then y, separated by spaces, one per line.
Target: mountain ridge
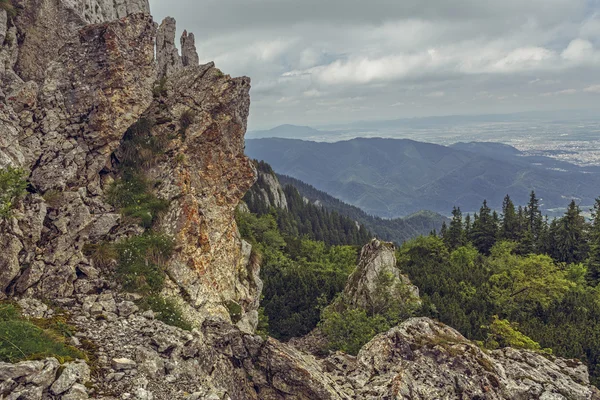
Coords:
pixel 396 177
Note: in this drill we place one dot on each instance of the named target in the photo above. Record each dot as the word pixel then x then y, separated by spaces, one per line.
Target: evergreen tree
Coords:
pixel 568 235
pixel 455 236
pixel 510 229
pixel 534 220
pixel 593 261
pixel 483 234
pixel 444 230
pixel 468 226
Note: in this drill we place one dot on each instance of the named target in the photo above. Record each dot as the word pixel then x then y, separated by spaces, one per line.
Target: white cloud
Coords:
pixel 592 89
pixel 579 50
pixel 437 94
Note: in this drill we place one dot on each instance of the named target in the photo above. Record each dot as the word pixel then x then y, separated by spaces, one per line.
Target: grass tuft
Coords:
pixel 23 339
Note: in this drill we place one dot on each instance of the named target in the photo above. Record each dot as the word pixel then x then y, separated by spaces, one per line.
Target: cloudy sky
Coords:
pixel 316 62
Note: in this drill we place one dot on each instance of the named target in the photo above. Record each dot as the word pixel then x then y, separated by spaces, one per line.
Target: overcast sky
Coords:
pixel 315 62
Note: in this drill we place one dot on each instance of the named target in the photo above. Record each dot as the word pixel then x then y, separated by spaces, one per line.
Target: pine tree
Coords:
pixel 534 220
pixel 455 235
pixel 593 261
pixel 444 230
pixel 569 244
pixel 510 229
pixel 484 232
pixel 468 226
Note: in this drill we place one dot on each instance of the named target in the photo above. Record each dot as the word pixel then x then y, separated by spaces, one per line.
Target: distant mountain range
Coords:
pixel 288 132
pixel 397 177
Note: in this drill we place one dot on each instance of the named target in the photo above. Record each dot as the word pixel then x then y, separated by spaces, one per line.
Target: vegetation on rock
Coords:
pixel 12 188
pixel 23 339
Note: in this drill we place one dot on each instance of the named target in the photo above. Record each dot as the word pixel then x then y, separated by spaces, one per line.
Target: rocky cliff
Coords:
pixel 267 190
pixel 377 277
pixel 79 79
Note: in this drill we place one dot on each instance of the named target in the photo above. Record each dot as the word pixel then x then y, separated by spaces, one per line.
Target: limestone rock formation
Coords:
pixel 376 272
pixel 204 177
pixel 44 26
pixel 423 359
pixel 99 85
pixel 267 191
pixel 167 55
pixel 189 54
pixel 68 93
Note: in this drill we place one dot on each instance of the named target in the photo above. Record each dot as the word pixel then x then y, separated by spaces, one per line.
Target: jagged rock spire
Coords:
pixel 168 58
pixel 167 55
pixel 189 55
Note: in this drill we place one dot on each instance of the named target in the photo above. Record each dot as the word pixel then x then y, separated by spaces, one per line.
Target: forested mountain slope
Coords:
pixel 395 230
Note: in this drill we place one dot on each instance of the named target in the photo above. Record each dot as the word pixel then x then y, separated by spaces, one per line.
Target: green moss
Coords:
pixel 23 339
pixel 12 188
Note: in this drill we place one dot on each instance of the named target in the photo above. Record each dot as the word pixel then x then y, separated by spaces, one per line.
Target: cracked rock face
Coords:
pixel 205 176
pixel 99 85
pixel 377 258
pixel 423 359
pixel 44 26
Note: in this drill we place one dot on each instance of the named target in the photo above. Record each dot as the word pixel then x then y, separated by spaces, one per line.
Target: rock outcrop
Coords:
pixel 267 191
pixel 66 131
pixel 377 276
pixel 423 359
pixel 44 26
pixel 43 379
pixel 167 55
pixel 204 177
pixel 189 54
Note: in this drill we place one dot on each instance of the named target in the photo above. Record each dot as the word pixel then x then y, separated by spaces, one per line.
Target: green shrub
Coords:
pixel 102 254
pixel 141 149
pixel 141 262
pixel 502 333
pixel 167 311
pixel 132 195
pixel 160 88
pixel 21 339
pixel 350 329
pixel 235 311
pixel 186 120
pixel 12 188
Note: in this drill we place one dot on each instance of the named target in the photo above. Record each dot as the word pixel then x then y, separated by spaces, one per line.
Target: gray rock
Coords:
pixel 121 364
pixel 76 372
pixel 149 362
pixel 189 55
pixel 377 265
pixel 77 392
pixel 167 55
pixel 16 371
pixel 46 376
pixel 126 308
pixel 143 394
